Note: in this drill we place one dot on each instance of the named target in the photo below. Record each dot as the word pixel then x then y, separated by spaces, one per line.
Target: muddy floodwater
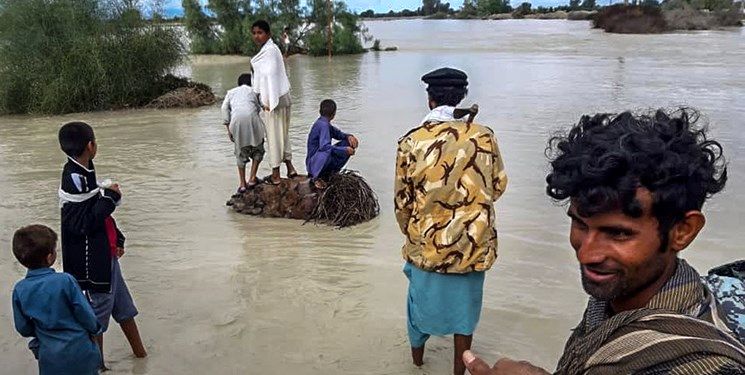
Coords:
pixel 222 293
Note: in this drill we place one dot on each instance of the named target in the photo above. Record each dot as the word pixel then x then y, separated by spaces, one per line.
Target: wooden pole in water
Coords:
pixel 330 34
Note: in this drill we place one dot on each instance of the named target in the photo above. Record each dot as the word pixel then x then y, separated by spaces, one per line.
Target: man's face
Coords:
pixel 619 255
pixel 260 36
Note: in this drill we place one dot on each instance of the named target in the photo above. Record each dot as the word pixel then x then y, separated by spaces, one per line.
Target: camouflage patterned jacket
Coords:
pixel 448 176
pixel 727 284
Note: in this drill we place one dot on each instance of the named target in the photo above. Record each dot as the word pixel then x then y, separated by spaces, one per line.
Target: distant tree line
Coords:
pixel 481 8
pixel 224 27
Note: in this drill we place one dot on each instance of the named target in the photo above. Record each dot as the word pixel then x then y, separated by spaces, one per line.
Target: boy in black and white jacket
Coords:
pixel 91 241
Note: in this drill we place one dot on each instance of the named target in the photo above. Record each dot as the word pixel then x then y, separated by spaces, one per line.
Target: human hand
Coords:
pixel 230 135
pixel 119 252
pixel 350 151
pixel 265 107
pixel 353 141
pixel 504 366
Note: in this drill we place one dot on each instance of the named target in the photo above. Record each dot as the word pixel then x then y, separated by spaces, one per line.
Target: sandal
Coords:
pixel 239 192
pixel 252 185
pixel 270 181
pixel 292 175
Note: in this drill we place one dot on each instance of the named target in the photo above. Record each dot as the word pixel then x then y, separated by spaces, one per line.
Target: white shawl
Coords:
pixel 443 113
pixel 269 78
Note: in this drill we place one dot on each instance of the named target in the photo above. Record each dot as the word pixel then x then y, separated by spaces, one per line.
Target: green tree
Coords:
pixel 489 7
pixel 523 10
pixel 429 7
pixel 228 15
pixel 199 28
pixel 468 9
pixel 574 4
pixel 231 31
pixel 346 32
pixel 60 56
pixel 443 8
pixel 589 4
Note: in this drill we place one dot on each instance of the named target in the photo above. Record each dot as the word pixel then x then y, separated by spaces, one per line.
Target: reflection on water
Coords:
pixel 225 293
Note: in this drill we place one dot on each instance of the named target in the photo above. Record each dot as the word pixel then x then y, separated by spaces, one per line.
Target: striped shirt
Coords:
pixel 680 331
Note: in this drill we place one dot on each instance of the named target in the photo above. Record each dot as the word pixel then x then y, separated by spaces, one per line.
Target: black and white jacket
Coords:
pixel 86 250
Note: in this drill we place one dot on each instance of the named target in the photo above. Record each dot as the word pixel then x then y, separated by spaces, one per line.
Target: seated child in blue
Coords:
pixel 325 159
pixel 50 307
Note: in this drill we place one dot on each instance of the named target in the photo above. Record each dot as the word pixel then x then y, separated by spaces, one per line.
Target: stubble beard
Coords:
pixel 607 291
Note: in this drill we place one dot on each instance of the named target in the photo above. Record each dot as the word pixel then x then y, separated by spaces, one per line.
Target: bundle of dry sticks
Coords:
pixel 347 200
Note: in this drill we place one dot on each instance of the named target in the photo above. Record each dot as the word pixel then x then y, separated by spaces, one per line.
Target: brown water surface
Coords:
pixel 221 293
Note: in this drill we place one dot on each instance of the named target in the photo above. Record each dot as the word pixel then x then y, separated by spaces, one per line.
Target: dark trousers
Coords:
pixel 335 162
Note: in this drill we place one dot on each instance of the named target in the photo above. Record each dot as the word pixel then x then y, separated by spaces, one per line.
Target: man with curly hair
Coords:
pixel 636 185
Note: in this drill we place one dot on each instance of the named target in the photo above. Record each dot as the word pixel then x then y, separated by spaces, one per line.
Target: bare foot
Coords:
pixel 129 327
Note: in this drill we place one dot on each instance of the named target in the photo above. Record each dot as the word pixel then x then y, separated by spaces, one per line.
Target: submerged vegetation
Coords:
pixel 62 56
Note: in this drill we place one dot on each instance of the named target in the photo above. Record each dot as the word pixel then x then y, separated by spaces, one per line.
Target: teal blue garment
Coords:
pixel 442 304
pixel 50 307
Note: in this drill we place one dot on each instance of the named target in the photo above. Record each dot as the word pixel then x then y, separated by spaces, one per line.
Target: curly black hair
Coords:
pixel 602 160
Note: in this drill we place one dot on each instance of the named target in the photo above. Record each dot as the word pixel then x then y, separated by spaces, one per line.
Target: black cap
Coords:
pixel 446 77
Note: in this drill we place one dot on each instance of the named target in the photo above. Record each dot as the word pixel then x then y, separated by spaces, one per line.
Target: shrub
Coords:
pixel 61 56
pixel 630 19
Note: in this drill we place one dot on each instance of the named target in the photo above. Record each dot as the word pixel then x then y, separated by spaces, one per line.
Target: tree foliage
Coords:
pixel 523 10
pixel 489 7
pixel 228 31
pixel 61 56
pixel 345 29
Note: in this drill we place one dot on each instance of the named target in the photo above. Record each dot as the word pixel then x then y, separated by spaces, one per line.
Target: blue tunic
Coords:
pixel 51 307
pixel 323 157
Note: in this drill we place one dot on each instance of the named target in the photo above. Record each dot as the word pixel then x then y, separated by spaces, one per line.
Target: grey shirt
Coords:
pixel 240 111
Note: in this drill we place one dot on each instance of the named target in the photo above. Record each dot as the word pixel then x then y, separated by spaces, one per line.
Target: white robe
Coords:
pixel 271 83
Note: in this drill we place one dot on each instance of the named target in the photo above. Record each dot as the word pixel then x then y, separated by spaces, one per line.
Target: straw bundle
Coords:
pixel 347 200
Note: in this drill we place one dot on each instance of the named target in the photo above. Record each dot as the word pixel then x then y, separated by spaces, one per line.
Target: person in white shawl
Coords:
pixel 271 83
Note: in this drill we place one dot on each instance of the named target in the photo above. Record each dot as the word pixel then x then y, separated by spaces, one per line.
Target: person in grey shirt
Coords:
pixel 240 113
